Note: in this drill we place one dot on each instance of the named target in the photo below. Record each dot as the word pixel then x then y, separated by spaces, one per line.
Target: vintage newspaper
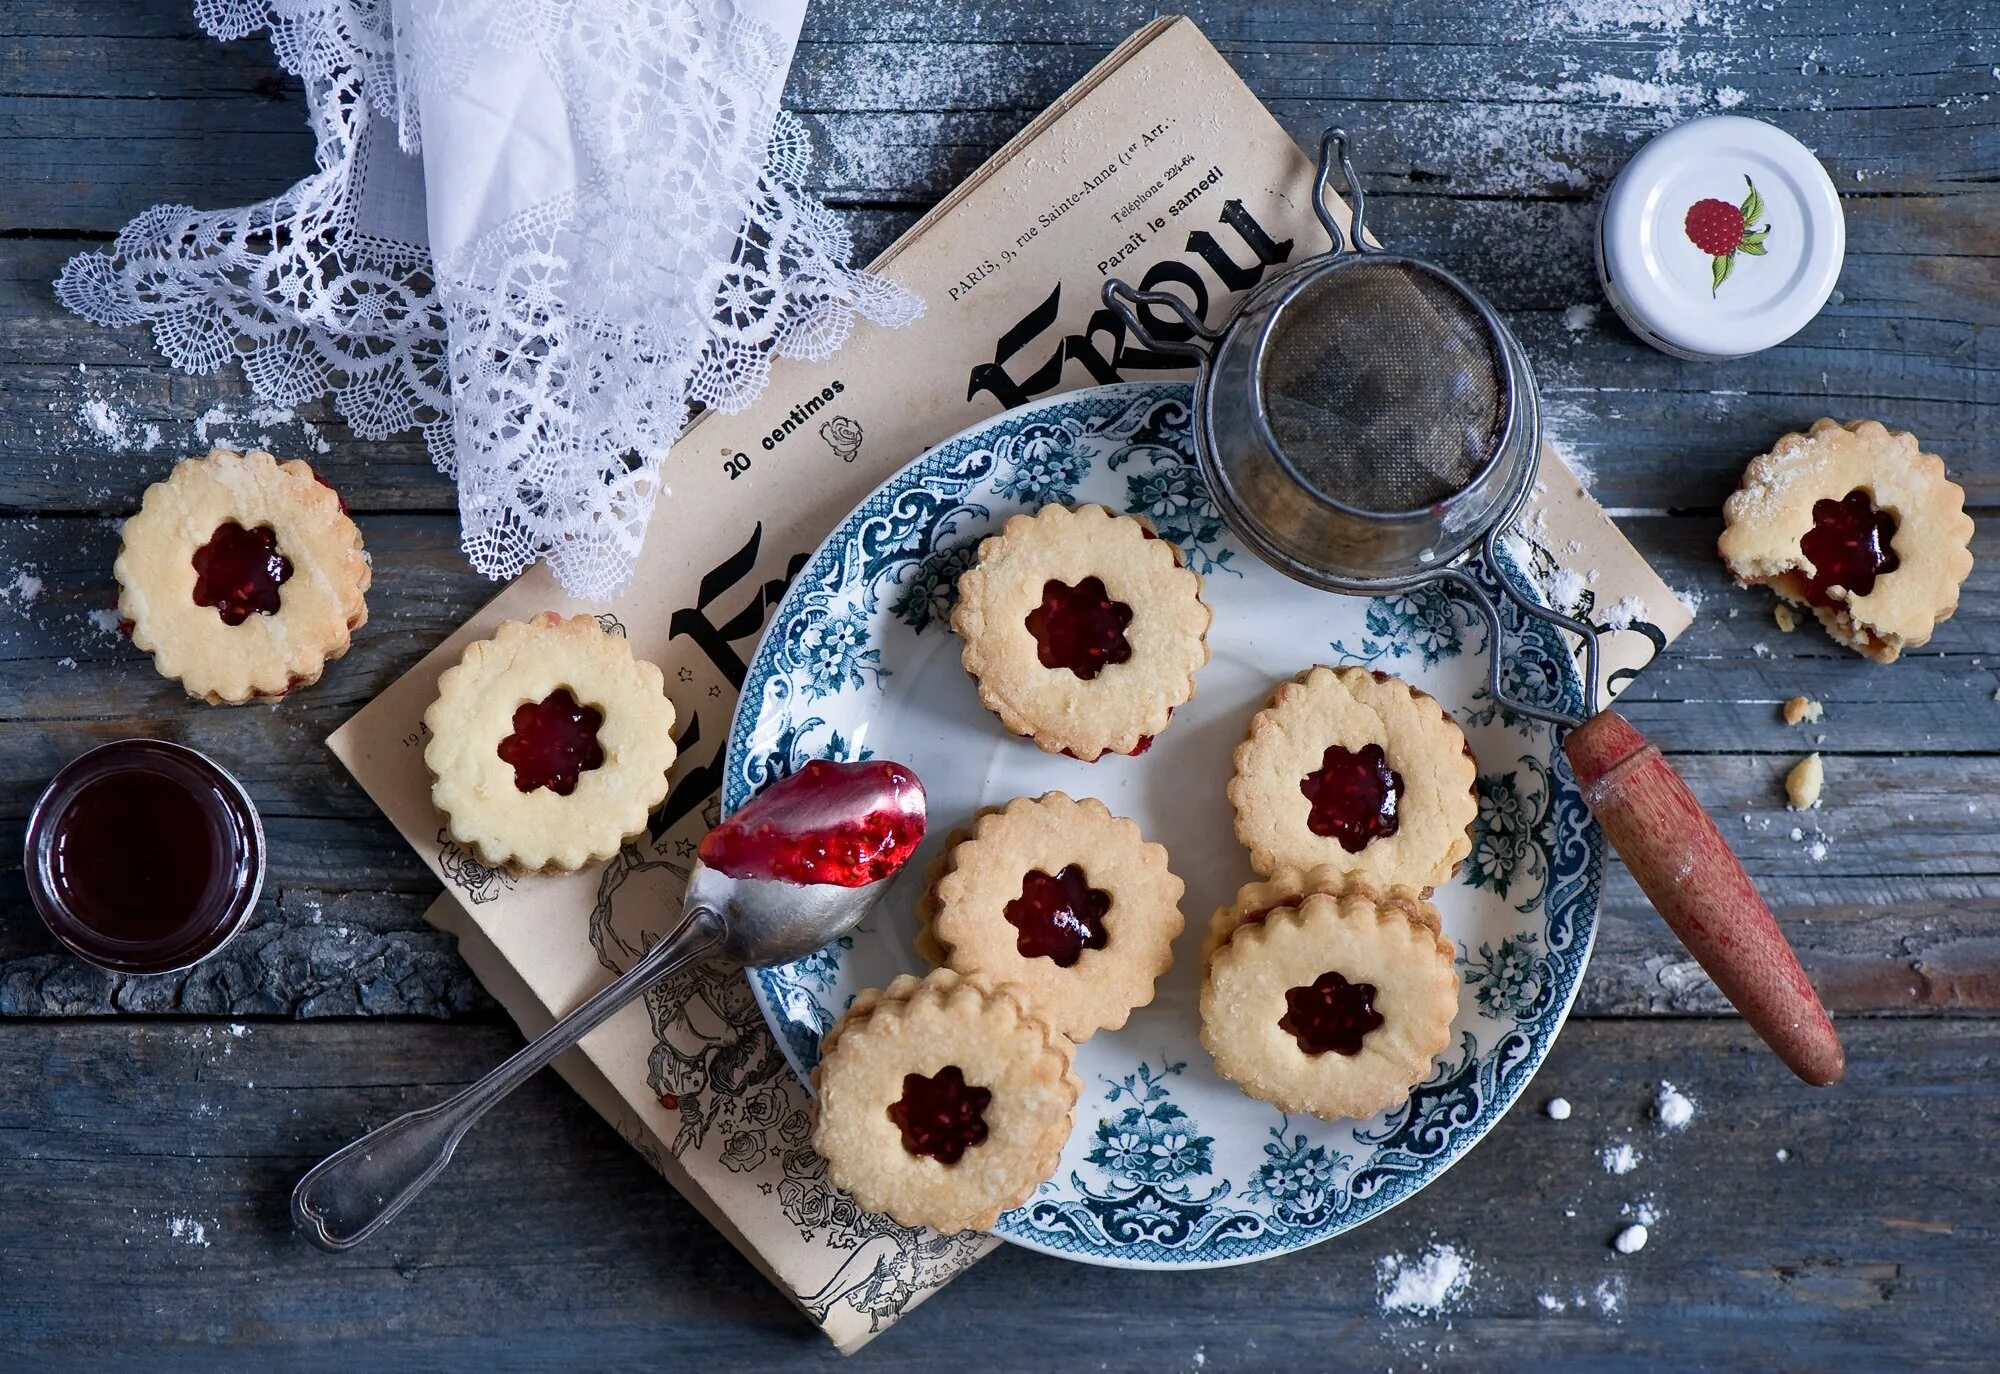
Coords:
pixel 1160 167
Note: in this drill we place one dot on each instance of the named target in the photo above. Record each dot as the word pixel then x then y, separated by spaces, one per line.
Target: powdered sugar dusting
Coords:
pixel 188 1231
pixel 1619 1159
pixel 1673 1108
pixel 1425 1284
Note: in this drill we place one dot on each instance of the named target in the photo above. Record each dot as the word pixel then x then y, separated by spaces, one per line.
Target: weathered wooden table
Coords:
pixel 150 1129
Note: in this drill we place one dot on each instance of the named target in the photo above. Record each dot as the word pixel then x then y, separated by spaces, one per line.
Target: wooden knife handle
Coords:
pixel 1688 870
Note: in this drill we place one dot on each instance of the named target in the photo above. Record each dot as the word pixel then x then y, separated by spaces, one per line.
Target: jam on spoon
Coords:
pixel 1355 796
pixel 1058 916
pixel 1330 1013
pixel 1848 547
pixel 554 743
pixel 849 824
pixel 1080 628
pixel 239 571
pixel 940 1115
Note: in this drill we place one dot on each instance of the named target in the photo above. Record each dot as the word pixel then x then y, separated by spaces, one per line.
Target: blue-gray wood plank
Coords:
pixel 1486 128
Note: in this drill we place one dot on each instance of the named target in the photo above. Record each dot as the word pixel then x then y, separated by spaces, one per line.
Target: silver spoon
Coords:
pixel 355 1191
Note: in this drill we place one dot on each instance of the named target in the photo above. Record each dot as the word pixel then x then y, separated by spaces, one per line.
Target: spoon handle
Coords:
pixel 353 1192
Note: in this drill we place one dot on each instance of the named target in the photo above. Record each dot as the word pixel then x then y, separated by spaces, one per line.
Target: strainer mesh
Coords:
pixel 1382 387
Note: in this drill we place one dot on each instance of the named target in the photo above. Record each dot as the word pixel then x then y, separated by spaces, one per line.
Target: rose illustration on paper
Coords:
pixel 843 436
pixel 1722 230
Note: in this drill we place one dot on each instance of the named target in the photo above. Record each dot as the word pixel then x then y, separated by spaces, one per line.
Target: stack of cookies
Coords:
pixel 1328 986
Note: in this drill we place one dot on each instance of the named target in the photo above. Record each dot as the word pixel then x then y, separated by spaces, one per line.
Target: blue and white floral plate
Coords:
pixel 1169 1165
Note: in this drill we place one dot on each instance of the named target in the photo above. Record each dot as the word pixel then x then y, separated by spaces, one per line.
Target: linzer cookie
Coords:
pixel 1062 900
pixel 1335 1006
pixel 1357 771
pixel 549 744
pixel 942 1101
pixel 1858 525
pixel 1082 629
pixel 242 576
pixel 1255 901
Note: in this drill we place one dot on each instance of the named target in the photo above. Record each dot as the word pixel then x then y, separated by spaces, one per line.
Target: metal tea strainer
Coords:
pixel 1368 425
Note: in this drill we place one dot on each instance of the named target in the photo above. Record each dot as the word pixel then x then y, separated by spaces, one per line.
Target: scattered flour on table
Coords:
pixel 1425 1284
pixel 1672 1108
pixel 1619 1159
pixel 188 1231
pixel 1578 318
pixel 23 589
pixel 1690 598
pixel 106 623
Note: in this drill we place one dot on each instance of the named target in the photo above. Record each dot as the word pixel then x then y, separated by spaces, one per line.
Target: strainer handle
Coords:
pixel 1332 153
pixel 1698 885
pixel 1126 299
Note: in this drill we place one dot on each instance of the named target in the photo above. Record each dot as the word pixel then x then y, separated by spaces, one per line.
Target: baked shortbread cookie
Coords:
pixel 242 576
pixel 549 744
pixel 1358 771
pixel 1082 630
pixel 1335 1006
pixel 942 1102
pixel 1062 900
pixel 1856 523
pixel 1255 901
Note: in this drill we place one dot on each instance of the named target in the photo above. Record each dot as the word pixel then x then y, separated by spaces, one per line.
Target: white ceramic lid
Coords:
pixel 1689 270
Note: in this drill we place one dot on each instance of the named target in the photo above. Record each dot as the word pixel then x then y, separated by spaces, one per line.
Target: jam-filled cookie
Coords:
pixel 1335 1006
pixel 1255 901
pixel 242 576
pixel 942 1101
pixel 1855 523
pixel 549 744
pixel 1082 630
pixel 1358 771
pixel 1064 901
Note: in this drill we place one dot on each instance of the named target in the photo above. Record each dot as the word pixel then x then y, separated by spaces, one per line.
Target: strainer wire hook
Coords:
pixel 1332 151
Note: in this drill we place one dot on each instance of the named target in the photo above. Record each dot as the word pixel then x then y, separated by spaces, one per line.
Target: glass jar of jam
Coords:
pixel 144 856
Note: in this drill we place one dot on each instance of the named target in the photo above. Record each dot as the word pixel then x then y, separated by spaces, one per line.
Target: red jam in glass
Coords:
pixel 1330 1014
pixel 941 1115
pixel 554 743
pixel 144 857
pixel 1080 628
pixel 1058 917
pixel 1355 796
pixel 238 572
pixel 1848 547
pixel 848 824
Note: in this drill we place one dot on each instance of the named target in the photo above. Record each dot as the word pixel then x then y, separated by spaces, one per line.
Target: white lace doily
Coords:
pixel 538 232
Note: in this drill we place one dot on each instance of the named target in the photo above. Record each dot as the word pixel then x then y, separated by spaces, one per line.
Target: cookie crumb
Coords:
pixel 1804 782
pixel 1673 1108
pixel 1631 1240
pixel 1803 709
pixel 1782 613
pixel 1558 1109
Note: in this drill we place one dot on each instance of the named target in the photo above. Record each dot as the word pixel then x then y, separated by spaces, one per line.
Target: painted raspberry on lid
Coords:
pixel 1723 230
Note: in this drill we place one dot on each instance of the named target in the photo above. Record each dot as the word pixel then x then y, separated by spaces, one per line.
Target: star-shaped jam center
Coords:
pixel 554 743
pixel 238 572
pixel 941 1115
pixel 1058 916
pixel 1330 1013
pixel 1848 547
pixel 1355 796
pixel 1080 628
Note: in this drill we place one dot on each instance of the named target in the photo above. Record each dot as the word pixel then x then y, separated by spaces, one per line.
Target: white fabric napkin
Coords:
pixel 539 230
